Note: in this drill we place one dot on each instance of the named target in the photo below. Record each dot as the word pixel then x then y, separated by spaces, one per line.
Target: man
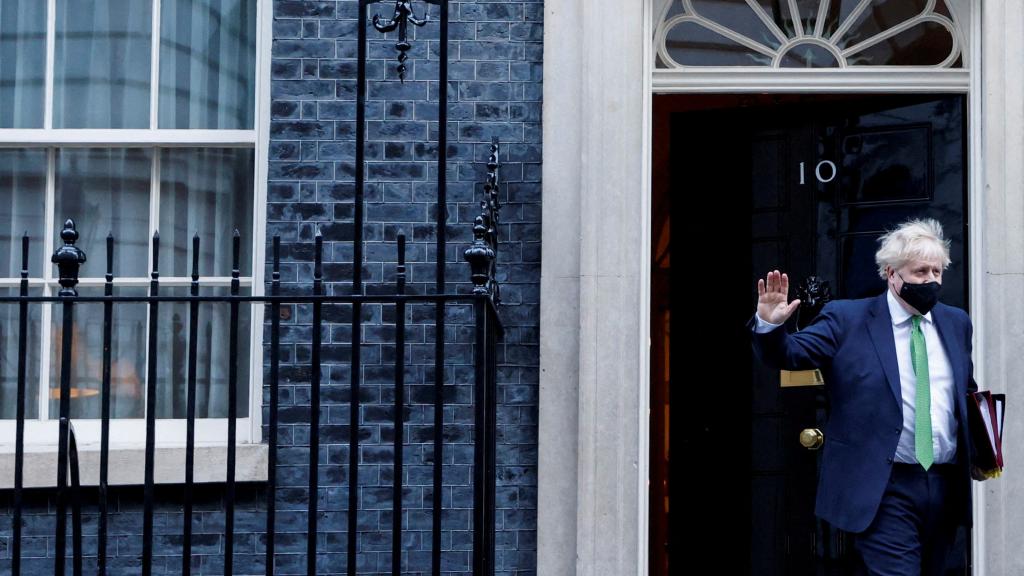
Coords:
pixel 897 368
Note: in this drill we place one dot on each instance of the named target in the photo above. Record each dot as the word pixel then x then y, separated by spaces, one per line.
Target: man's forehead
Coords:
pixel 924 263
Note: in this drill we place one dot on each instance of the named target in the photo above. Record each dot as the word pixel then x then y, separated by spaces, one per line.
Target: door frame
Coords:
pixel 597 124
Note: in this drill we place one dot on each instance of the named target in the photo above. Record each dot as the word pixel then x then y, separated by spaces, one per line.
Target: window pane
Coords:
pixel 102 64
pixel 882 16
pixel 738 17
pixel 127 354
pixel 209 192
pixel 779 13
pixel 213 357
pixel 22 63
pixel 808 14
pixel 690 44
pixel 106 190
pixel 925 44
pixel 9 357
pixel 809 56
pixel 22 198
pixel 207 64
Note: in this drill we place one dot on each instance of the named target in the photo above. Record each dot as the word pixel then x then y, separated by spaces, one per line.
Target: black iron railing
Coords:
pixel 69 258
pixel 483 299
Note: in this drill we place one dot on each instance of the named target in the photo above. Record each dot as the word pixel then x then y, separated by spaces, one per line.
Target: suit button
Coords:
pixel 897 430
pixel 888 460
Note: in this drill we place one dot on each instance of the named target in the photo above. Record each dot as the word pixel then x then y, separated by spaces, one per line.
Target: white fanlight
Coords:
pixel 808 34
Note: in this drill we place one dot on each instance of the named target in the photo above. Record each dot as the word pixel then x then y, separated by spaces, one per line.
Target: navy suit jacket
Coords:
pixel 851 342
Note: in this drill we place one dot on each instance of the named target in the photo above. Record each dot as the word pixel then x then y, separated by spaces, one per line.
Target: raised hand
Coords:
pixel 772 296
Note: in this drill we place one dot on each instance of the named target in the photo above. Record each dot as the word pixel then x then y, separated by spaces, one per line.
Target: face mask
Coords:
pixel 922 297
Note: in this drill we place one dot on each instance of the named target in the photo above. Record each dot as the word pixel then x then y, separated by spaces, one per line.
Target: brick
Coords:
pixel 301 89
pixel 306 9
pixel 527 31
pixel 285 69
pixel 491 11
pixel 302 130
pixel 484 91
pixel 338 69
pixel 301 171
pixel 304 48
pixel 492 31
pixel 492 71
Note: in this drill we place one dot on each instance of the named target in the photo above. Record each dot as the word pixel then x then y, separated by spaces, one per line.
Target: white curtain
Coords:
pixel 102 64
pixel 207 64
pixel 209 192
pixel 106 190
pixel 22 63
pixel 22 188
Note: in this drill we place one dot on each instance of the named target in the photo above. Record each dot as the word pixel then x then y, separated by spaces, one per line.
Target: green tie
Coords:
pixel 923 399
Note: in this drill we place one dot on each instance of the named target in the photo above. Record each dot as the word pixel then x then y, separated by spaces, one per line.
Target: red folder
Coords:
pixel 985 414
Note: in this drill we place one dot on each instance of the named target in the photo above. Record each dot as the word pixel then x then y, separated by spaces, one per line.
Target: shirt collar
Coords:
pixel 897 312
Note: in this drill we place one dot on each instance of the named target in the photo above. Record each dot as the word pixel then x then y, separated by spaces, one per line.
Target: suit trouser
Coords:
pixel 913 531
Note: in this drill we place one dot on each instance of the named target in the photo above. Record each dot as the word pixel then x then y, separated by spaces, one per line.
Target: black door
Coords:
pixel 804 185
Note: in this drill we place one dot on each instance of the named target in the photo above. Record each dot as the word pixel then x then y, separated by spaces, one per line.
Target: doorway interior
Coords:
pixel 804 183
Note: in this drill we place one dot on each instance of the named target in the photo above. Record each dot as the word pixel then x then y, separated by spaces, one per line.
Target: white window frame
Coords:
pixel 128 434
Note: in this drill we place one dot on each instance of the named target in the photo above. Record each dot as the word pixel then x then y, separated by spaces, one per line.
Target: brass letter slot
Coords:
pixel 794 378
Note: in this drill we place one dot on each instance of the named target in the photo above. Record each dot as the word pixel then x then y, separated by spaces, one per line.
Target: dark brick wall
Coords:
pixel 494 89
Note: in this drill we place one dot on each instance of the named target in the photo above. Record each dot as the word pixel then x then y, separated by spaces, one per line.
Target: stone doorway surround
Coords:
pixel 592 501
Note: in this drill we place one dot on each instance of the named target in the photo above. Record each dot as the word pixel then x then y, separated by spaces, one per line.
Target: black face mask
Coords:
pixel 922 297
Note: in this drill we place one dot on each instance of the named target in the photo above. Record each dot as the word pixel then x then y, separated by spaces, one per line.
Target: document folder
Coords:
pixel 985 412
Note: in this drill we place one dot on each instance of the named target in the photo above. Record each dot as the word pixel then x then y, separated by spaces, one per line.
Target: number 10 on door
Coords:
pixel 829 169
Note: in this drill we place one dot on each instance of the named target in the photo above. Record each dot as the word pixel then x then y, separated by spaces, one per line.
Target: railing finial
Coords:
pixel 68 258
pixel 482 255
pixel 401 20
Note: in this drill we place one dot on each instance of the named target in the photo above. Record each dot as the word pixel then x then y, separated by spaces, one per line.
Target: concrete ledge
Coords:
pixel 127 466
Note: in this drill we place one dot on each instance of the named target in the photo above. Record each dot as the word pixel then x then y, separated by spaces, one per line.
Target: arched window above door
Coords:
pixel 808 34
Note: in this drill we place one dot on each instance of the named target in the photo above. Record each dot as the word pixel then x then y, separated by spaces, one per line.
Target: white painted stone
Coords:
pixel 559 303
pixel 1000 326
pixel 590 521
pixel 127 466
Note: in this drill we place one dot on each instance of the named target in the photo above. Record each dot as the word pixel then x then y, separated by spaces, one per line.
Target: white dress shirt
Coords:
pixel 940 376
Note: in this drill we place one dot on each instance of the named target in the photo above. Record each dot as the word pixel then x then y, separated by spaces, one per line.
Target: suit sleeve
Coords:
pixel 812 347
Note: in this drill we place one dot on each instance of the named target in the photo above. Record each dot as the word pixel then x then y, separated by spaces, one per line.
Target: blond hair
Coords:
pixel 918 239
